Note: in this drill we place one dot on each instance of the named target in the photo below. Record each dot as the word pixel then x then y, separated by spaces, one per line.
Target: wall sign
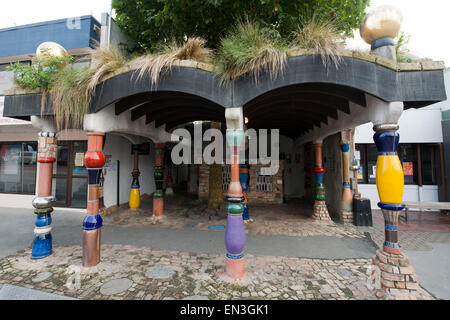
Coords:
pixel 79 159
pixel 408 169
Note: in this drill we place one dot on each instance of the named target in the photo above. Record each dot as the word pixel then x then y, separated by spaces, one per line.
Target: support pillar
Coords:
pixel 320 206
pixel 235 232
pixel 42 244
pixel 346 212
pixel 94 160
pixel 158 195
pixel 397 275
pixel 135 196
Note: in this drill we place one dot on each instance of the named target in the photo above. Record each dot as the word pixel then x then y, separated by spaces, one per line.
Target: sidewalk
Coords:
pixel 157 262
pixel 128 272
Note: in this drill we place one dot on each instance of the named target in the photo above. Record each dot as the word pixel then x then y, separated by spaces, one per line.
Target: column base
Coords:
pixel 346 216
pixel 158 206
pixel 42 246
pixel 91 247
pixel 321 211
pixel 234 272
pixel 396 276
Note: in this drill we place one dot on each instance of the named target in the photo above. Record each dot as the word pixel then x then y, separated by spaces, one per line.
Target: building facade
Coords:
pixel 18 138
pixel 315 108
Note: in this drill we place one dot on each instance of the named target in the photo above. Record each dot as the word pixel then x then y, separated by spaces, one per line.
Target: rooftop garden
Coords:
pixel 248 48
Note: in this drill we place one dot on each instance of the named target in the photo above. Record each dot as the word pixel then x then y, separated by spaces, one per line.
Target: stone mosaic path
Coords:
pixel 128 272
pixel 182 212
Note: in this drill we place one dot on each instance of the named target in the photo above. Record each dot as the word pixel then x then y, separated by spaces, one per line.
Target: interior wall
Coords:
pixel 119 148
pixel 332 162
pixel 294 174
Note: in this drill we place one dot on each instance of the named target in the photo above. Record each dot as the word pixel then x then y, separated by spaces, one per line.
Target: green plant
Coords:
pixel 321 36
pixel 71 96
pixel 166 56
pixel 40 73
pixel 250 48
pixel 401 47
pixel 73 88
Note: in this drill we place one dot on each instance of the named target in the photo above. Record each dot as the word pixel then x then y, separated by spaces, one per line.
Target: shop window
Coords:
pixel 371 166
pixel 360 156
pixel 367 154
pixel 18 167
pixel 430 161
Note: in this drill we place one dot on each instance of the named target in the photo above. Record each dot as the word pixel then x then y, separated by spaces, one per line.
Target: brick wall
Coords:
pixel 254 195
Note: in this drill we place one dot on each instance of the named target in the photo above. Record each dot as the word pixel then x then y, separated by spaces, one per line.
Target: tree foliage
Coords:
pixel 150 21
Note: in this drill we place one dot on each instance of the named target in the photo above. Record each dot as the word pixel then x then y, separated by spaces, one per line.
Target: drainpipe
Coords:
pixel 109 24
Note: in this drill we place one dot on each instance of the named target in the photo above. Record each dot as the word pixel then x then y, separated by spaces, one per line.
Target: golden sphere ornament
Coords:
pixel 46 50
pixel 384 21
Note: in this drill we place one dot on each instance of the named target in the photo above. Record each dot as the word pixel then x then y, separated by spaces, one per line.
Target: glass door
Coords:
pixel 70 175
pixel 78 189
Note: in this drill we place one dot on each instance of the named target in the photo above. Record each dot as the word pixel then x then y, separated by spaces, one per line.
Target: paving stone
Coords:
pixel 344 272
pixel 115 286
pixel 160 273
pixel 42 276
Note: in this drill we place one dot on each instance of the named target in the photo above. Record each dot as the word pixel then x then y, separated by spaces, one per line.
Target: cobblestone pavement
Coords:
pixel 422 228
pixel 128 272
pixel 292 219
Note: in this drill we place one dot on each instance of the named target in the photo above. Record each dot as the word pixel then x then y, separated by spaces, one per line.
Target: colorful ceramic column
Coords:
pixel 397 276
pixel 320 207
pixel 94 160
pixel 244 179
pixel 158 195
pixel 346 212
pixel 42 244
pixel 135 196
pixel 235 232
pixel 390 183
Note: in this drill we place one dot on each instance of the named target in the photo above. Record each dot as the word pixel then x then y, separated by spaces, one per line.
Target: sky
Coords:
pixel 425 21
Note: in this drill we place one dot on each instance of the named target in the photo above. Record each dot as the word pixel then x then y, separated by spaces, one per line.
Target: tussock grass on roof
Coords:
pixel 248 48
pixel 167 55
pixel 73 89
pixel 321 36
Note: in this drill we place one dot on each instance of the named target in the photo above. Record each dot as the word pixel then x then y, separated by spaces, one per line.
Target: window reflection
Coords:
pixel 18 167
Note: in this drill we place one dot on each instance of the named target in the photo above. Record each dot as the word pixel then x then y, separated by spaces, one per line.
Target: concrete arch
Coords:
pixel 190 81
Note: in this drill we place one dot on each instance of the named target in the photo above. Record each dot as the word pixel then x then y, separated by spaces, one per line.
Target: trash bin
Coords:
pixel 362 212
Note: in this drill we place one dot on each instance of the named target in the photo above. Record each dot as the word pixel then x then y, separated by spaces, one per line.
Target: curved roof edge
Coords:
pixel 417 84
